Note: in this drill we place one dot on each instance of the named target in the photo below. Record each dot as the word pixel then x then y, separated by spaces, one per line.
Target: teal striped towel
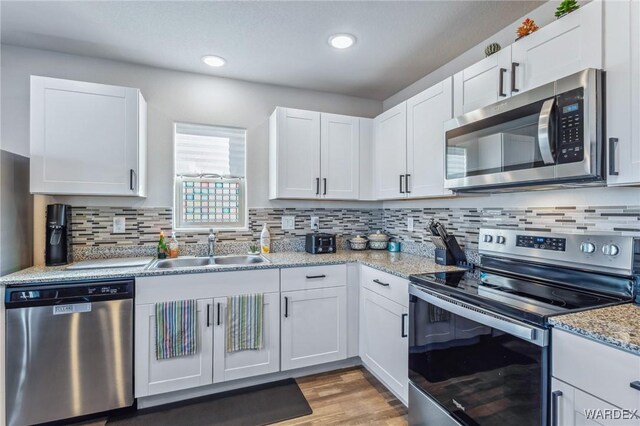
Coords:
pixel 245 322
pixel 176 332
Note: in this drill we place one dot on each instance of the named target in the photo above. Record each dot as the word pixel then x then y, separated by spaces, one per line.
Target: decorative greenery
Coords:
pixel 491 49
pixel 528 26
pixel 253 248
pixel 566 6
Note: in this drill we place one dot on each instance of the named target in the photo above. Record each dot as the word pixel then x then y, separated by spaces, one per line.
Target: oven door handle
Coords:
pixel 544 132
pixel 518 329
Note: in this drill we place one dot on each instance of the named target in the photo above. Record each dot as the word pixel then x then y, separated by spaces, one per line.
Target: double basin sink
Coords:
pixel 190 262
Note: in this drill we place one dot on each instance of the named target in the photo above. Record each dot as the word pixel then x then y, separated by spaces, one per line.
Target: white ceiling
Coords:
pixel 282 43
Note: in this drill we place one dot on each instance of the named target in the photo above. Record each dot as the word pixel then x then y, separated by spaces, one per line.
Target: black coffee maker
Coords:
pixel 58 224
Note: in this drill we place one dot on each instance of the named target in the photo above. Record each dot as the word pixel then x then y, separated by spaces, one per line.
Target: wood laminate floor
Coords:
pixel 344 397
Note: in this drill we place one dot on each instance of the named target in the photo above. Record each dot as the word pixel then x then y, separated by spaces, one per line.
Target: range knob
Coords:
pixel 610 250
pixel 587 247
pixel 487 238
pixel 500 239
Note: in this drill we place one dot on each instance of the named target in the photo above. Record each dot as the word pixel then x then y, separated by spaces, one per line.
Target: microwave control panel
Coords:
pixel 570 112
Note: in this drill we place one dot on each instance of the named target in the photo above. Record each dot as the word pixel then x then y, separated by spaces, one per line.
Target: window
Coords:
pixel 210 184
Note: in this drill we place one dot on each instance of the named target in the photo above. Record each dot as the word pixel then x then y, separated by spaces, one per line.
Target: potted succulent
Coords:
pixel 565 7
pixel 254 249
pixel 528 26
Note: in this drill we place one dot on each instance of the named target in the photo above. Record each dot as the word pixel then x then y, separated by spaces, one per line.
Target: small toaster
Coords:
pixel 317 242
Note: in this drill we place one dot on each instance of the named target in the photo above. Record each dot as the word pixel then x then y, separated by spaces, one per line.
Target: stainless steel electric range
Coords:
pixel 479 339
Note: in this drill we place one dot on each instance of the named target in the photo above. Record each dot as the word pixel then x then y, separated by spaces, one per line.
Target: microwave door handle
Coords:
pixel 544 132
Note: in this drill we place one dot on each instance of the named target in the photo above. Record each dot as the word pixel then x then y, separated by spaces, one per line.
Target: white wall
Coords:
pixel 171 96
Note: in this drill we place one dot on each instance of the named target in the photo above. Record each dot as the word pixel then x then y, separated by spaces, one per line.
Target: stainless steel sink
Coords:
pixel 238 260
pixel 190 262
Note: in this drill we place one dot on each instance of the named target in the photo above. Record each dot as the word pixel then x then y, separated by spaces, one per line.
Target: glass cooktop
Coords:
pixel 516 297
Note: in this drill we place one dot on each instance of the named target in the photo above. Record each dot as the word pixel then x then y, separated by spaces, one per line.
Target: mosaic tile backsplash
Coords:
pixel 92 234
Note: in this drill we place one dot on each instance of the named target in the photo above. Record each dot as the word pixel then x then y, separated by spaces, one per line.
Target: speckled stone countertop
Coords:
pixel 618 326
pixel 400 264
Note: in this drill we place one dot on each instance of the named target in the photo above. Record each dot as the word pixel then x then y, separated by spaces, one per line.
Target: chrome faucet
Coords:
pixel 212 243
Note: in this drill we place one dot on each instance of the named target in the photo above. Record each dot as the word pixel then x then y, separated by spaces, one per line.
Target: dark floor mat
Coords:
pixel 258 405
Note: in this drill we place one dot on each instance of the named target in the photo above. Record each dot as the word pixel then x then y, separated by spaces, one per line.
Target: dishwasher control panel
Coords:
pixel 67 292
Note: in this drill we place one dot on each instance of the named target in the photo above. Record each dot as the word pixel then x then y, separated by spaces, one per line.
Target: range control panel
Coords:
pixel 601 252
pixel 542 243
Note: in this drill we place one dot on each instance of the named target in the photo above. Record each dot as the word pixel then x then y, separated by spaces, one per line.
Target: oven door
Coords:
pixel 478 367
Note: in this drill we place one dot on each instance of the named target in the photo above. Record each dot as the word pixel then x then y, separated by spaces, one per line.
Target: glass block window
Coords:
pixel 210 186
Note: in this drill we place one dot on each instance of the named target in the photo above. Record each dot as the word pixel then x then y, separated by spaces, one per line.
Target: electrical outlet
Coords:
pixel 288 222
pixel 315 223
pixel 119 224
pixel 410 224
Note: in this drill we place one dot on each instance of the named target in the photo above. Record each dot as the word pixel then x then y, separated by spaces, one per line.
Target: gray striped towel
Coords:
pixel 176 332
pixel 245 322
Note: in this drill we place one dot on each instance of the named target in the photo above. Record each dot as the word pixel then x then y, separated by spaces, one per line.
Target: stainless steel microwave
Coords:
pixel 548 136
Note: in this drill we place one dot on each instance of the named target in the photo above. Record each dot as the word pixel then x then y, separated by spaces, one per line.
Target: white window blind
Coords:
pixel 210 184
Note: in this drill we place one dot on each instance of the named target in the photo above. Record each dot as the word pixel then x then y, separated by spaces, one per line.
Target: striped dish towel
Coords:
pixel 176 332
pixel 244 322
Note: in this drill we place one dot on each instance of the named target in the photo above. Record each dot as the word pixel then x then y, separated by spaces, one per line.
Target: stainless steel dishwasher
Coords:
pixel 69 350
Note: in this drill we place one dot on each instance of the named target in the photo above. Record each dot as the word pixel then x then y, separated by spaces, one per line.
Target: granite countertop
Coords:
pixel 618 326
pixel 400 264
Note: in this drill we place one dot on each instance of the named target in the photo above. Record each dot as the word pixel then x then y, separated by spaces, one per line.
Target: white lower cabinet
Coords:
pixel 592 382
pixel 313 326
pixel 153 376
pixel 241 364
pixel 384 330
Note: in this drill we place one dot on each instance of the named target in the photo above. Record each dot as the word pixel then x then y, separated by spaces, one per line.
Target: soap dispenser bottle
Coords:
pixel 174 247
pixel 265 240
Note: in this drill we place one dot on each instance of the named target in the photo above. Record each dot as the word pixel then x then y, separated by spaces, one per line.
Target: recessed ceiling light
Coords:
pixel 214 61
pixel 342 41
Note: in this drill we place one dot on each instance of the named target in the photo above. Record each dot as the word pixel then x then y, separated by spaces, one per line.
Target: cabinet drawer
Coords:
pixel 387 285
pixel 596 368
pixel 313 277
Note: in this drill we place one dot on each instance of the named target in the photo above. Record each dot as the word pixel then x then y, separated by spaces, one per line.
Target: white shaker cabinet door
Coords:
pixel 622 66
pixel 426 114
pixel 483 83
pixel 340 156
pixel 313 326
pixel 154 376
pixel 383 341
pixel 390 142
pixel 564 47
pixel 294 154
pixel 247 363
pixel 87 138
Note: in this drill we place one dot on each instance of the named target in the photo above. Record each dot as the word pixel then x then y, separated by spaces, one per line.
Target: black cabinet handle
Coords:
pixel 401 179
pixel 324 185
pixel 514 65
pixel 635 385
pixel 377 281
pixel 613 148
pixel 286 307
pixel 501 83
pixel 208 315
pixel 313 277
pixel 555 404
pixel 218 314
pixel 132 174
pixel 406 183
pixel 404 332
pixel 317 186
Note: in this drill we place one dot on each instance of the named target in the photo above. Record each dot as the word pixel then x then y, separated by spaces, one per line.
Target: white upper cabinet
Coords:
pixel 87 138
pixel 340 156
pixel 622 64
pixel 313 155
pixel 294 154
pixel 483 83
pixel 426 114
pixel 566 46
pixel 390 141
